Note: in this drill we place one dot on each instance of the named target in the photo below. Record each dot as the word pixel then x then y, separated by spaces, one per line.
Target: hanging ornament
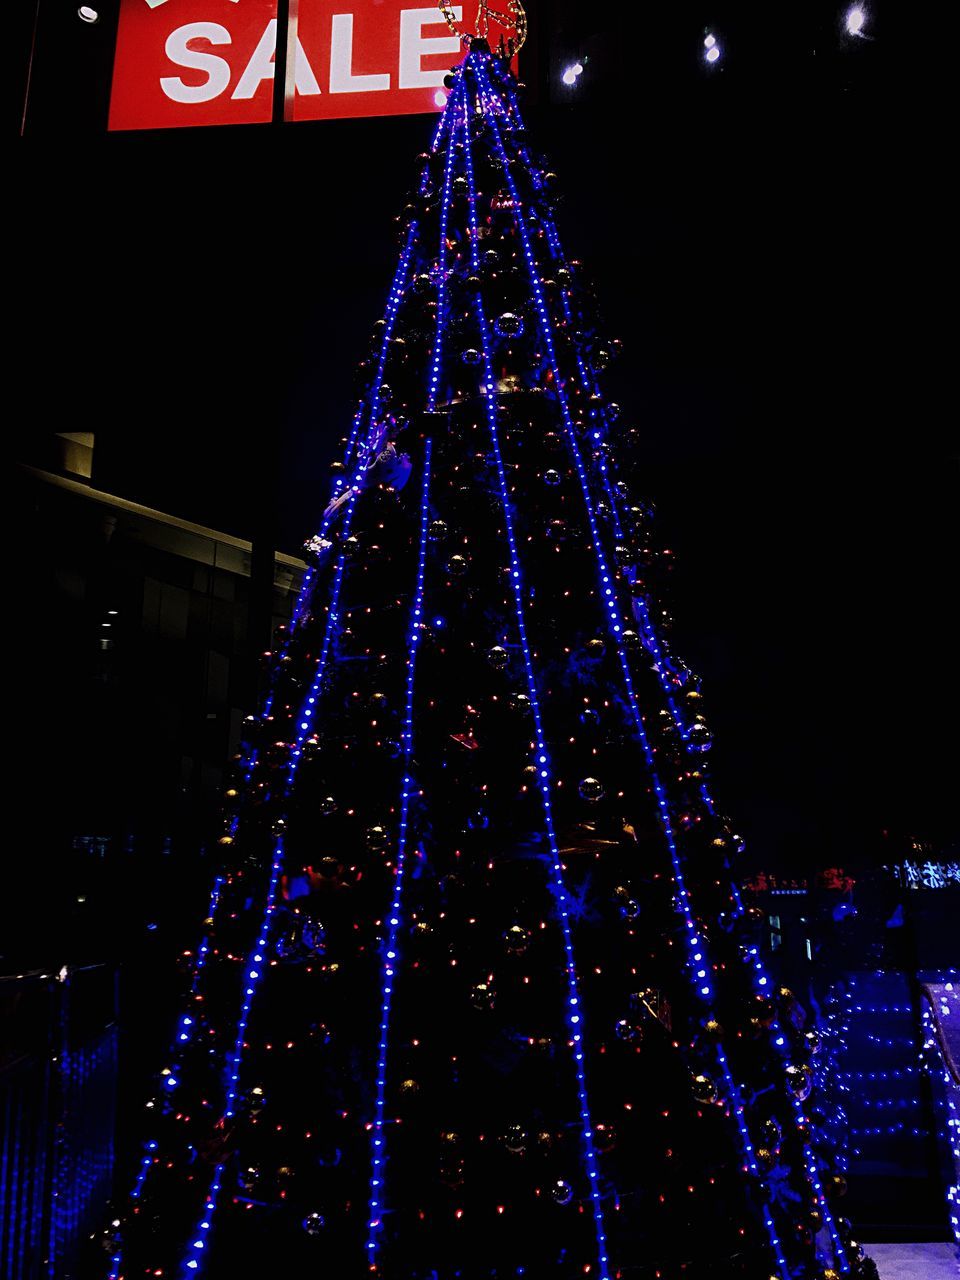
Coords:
pixel 799 1081
pixel 705 1089
pixel 595 647
pixel 498 657
pixel 377 839
pixel 508 325
pixel 312 935
pixel 327 806
pixel 437 530
pixel 517 939
pixel 837 1185
pixel 481 995
pixel 814 1041
pixel 551 477
pixel 772 1133
pixel 471 356
pixel 314 1223
pixel 561 1192
pixel 591 789
pixel 515 1139
pixel 699 735
pixel 627 1031
pixel 248 1178
pixel 520 703
pixel 457 566
pixel 762 1010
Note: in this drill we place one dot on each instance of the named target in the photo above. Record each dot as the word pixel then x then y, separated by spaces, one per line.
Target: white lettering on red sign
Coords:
pixel 218 67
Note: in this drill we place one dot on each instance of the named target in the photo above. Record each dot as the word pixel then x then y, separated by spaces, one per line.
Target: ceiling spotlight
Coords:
pixel 87 14
pixel 712 53
pixel 572 73
pixel 856 17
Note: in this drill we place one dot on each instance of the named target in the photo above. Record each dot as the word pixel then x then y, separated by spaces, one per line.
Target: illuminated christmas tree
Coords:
pixel 478 995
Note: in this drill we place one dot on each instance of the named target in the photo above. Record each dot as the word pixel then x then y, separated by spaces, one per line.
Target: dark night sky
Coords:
pixel 761 240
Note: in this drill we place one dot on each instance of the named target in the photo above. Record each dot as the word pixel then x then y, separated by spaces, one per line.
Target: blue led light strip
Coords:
pixel 662 667
pixel 378 1153
pixel 641 612
pixel 574 1015
pixel 304 727
pixel 696 949
pixel 378 1150
pixel 256 961
pixel 184 1032
pixel 606 578
pixel 393 302
pixel 437 358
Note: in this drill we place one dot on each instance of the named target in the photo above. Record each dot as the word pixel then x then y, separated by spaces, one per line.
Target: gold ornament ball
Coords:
pixel 705 1089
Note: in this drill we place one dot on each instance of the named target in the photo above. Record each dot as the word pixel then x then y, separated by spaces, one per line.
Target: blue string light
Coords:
pixel 309 706
pixel 257 961
pixel 378 1152
pixel 378 1141
pixel 185 1028
pixel 574 1009
pixel 307 586
pixel 697 962
pixel 641 612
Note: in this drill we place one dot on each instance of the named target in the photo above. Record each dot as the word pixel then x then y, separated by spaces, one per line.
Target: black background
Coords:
pixel 764 237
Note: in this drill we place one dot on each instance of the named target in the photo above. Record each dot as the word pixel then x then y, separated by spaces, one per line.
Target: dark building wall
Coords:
pixel 133 674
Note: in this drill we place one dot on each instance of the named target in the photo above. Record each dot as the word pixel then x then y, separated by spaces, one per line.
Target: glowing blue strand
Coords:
pixel 185 1027
pixel 309 706
pixel 696 950
pixel 574 1012
pixel 394 298
pixel 378 1141
pixel 641 612
pixel 378 1151
pixel 257 958
pixel 437 358
pixel 254 965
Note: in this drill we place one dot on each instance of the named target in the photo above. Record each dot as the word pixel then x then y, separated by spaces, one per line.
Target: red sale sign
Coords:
pixel 201 62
